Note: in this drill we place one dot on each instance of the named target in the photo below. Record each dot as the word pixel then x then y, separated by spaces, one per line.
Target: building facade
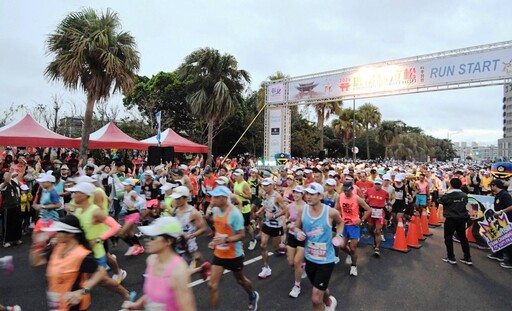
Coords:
pixel 505 143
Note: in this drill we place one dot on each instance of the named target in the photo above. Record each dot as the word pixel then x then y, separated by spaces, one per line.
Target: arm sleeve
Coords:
pixel 54 197
pixel 114 228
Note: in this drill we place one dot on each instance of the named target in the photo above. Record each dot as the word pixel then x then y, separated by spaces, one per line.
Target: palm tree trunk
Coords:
pixel 86 127
pixel 346 150
pixel 367 145
pixel 210 143
pixel 385 152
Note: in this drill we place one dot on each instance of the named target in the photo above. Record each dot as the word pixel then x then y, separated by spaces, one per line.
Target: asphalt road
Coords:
pixel 418 280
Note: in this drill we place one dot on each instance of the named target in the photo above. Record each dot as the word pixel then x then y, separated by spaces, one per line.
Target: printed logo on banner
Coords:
pixel 497 230
pixel 274 131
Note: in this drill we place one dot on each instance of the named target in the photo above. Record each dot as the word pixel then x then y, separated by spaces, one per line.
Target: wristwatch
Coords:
pixel 85 291
pixel 226 240
pixel 340 235
pixel 98 240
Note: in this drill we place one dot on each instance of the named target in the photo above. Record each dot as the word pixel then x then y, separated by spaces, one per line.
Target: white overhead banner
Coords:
pixel 404 75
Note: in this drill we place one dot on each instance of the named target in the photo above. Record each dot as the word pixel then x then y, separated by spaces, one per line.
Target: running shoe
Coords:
pixel 253 302
pixel 376 252
pixel 6 245
pixel 482 247
pixel 295 292
pixel 206 270
pixel 383 238
pixel 506 265
pixel 6 264
pixel 455 239
pixel 13 308
pixel 252 245
pixel 468 262
pixel 353 270
pixel 494 256
pixel 129 252
pixel 19 242
pixel 336 260
pixel 133 296
pixel 265 273
pixel 332 305
pixel 449 260
pixel 120 277
pixel 138 250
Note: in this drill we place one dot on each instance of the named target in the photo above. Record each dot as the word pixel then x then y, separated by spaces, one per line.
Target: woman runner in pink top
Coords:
pixel 167 275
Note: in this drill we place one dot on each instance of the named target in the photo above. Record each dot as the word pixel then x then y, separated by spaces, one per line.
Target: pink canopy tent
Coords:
pixel 28 133
pixel 170 138
pixel 110 136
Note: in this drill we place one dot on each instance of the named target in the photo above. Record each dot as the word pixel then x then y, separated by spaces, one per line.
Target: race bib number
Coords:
pixel 317 251
pixel 153 306
pixel 399 195
pixel 377 212
pixel 222 247
pixel 53 301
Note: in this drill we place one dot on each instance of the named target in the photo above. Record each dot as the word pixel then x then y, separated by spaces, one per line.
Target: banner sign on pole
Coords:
pixel 497 230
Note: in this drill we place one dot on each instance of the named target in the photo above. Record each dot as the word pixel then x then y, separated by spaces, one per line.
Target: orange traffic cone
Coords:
pixel 412 234
pixel 400 243
pixel 433 220
pixel 424 224
pixel 469 235
pixel 440 216
pixel 419 230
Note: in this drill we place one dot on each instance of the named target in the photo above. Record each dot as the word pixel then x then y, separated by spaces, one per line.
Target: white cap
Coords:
pixel 83 178
pixel 148 173
pixel 179 192
pixel 330 182
pixel 386 177
pixel 315 188
pixel 46 177
pixel 298 189
pixel 128 182
pixel 83 187
pixel 167 186
pixel 346 171
pixel 164 225
pixel 222 180
pixel 377 181
pixel 238 172
pixel 183 167
pixel 332 173
pixel 24 187
pixel 254 170
pixel 267 181
pixel 399 178
pixel 308 171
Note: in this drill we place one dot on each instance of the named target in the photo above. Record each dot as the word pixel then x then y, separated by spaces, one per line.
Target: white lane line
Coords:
pixel 247 262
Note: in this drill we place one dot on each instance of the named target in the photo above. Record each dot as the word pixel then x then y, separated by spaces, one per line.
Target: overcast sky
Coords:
pixel 296 37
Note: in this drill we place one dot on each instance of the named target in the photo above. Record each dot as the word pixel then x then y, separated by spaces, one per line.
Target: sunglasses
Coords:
pixel 152 238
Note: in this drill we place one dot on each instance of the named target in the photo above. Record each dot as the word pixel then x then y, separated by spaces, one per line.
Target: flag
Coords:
pixel 158 117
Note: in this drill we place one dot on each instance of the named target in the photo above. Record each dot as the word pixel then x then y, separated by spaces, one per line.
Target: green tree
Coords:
pixel 323 112
pixel 167 93
pixel 370 118
pixel 215 83
pixel 388 132
pixel 344 127
pixel 92 52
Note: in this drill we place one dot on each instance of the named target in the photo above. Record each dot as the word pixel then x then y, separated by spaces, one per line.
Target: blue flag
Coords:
pixel 158 117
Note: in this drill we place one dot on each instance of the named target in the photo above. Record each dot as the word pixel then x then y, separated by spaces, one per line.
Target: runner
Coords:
pixel 132 203
pixel 377 198
pixel 314 226
pixel 402 198
pixel 191 221
pixel 70 253
pixel 227 247
pixel 243 191
pixel 167 275
pixel 295 248
pixel 273 208
pixel 349 204
pixel 422 195
pixel 93 221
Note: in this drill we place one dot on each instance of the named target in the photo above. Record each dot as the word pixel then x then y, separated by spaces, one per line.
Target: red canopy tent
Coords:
pixel 170 138
pixel 110 136
pixel 28 133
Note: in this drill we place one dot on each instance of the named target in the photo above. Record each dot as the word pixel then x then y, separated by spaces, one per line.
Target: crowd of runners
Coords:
pixel 312 210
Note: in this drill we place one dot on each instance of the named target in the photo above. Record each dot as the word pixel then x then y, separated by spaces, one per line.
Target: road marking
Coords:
pixel 247 262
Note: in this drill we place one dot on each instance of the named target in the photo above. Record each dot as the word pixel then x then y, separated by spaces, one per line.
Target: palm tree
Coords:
pixel 92 52
pixel 215 84
pixel 370 118
pixel 344 126
pixel 405 146
pixel 387 133
pixel 323 112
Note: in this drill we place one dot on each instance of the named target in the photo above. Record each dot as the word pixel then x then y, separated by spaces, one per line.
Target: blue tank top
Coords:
pixel 319 248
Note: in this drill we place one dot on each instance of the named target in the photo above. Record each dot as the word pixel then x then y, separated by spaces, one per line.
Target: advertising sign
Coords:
pixel 496 230
pixel 405 75
pixel 275 125
pixel 275 93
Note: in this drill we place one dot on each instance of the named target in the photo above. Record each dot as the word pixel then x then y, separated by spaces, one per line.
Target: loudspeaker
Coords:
pixel 168 154
pixel 158 155
pixel 154 155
